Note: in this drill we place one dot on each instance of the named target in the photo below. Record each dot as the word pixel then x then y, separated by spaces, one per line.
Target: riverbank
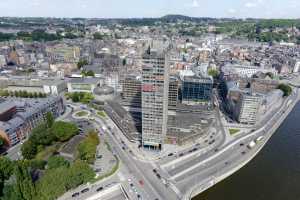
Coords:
pixel 229 170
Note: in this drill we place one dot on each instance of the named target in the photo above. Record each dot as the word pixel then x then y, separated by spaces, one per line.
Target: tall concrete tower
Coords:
pixel 155 88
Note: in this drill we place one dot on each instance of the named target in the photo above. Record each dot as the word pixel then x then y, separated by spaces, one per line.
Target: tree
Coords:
pixel 82 63
pixel 49 119
pixel 286 89
pixel 214 73
pixel 63 131
pixel 87 148
pixel 57 161
pixel 41 135
pixel 90 73
pixel 29 150
pixel 35 95
pixel 52 184
pixel 124 62
pixel 37 164
pixel 24 184
pixel 75 97
pixel 57 181
pixel 41 95
pixel 2 143
pixel 10 193
pixel 6 168
pixel 79 173
pixel 98 36
pixel 4 93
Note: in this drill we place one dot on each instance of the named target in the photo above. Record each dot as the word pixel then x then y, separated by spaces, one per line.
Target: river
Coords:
pixel 274 174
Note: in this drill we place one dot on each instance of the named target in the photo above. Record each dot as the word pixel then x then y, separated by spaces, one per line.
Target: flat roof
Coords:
pixel 84 80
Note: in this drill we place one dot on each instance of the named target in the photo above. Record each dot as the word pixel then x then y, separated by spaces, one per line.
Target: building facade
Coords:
pixel 196 89
pixel 22 116
pixel 173 93
pixel 83 85
pixel 132 87
pixel 247 108
pixel 155 88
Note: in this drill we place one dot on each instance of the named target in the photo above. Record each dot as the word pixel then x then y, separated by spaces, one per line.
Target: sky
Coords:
pixel 151 8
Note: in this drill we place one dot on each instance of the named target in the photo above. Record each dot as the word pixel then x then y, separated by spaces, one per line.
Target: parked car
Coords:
pixel 75 194
pixel 99 189
pixel 85 190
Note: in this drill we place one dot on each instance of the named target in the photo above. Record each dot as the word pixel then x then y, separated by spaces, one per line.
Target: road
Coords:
pixel 208 171
pixel 153 188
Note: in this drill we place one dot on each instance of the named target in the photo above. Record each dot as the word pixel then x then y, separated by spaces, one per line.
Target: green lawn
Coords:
pixel 101 114
pixel 233 131
pixel 81 114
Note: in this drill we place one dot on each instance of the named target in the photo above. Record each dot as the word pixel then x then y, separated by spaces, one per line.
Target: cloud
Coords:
pixel 35 3
pixel 232 11
pixel 195 4
pixel 250 5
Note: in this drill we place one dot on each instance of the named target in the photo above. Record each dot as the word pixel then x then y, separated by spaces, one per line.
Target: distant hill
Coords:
pixel 176 17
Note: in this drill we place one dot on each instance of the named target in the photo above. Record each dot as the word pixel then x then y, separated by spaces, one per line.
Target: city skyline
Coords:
pixel 156 8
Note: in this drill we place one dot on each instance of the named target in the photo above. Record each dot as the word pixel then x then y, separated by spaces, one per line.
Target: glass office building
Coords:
pixel 196 89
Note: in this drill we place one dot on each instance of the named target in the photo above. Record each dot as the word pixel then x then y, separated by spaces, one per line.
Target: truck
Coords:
pixel 251 144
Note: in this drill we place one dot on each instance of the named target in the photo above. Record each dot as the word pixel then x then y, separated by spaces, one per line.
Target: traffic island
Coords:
pixel 233 131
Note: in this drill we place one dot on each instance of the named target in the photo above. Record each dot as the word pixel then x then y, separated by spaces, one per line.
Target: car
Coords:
pixel 99 189
pixel 154 170
pixel 99 156
pixel 139 196
pixel 195 149
pixel 170 154
pixel 76 194
pixel 216 150
pixel 141 182
pixel 243 152
pixel 158 176
pixel 98 170
pixel 198 144
pixel 191 150
pixel 181 154
pixel 242 144
pixel 85 190
pixel 131 185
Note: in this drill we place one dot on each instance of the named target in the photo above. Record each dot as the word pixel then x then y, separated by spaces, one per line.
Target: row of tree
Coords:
pixel 82 97
pixel 37 35
pixel 22 94
pixel 87 148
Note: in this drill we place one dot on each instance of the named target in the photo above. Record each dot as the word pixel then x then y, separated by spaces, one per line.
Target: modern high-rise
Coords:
pixel 155 88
